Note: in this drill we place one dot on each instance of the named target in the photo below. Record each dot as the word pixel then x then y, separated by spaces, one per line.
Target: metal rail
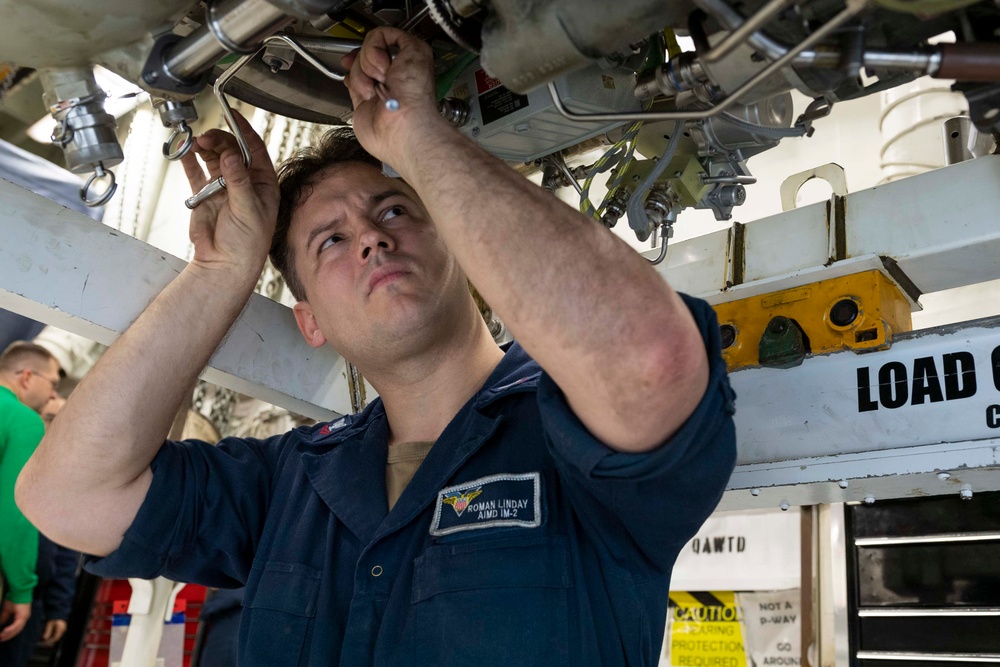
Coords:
pixel 926 539
pixel 895 612
pixel 929 657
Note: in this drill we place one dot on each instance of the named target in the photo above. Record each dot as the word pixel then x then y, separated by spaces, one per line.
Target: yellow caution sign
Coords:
pixel 703 630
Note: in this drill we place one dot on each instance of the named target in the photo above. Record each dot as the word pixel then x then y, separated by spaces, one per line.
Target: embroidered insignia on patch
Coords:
pixel 330 428
pixel 489 502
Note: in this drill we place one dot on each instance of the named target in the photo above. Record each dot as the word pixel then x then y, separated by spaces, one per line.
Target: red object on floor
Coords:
pixel 112 598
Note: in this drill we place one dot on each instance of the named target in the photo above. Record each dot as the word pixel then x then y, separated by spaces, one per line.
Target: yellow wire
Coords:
pixel 670 39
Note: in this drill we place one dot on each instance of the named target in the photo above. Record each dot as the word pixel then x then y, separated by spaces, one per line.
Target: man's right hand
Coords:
pixel 233 229
pixel 16 615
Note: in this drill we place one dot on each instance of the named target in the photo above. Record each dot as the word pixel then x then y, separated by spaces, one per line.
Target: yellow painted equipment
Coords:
pixel 859 312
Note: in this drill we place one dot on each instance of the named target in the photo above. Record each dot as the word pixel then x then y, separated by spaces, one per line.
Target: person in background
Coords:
pixel 28 378
pixel 56 570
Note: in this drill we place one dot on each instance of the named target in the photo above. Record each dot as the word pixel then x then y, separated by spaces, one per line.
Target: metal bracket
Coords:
pixel 832 173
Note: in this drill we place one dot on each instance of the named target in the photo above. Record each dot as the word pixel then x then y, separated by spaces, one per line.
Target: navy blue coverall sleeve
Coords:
pixel 210 510
pixel 58 595
pixel 654 501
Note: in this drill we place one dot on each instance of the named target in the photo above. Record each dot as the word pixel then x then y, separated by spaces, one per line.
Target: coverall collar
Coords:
pixel 345 461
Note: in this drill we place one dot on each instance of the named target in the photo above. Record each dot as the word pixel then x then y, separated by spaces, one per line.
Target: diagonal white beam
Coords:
pixel 59 267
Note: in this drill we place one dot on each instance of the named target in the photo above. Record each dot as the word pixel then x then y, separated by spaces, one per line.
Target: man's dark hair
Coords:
pixel 296 178
pixel 21 354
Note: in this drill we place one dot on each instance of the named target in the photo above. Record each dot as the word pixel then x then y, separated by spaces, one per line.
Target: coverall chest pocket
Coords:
pixel 280 605
pixel 492 602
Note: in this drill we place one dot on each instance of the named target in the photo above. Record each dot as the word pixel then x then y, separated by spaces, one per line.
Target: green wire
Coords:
pixel 447 80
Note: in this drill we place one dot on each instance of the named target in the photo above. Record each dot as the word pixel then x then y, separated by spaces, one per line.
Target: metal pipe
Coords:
pixel 730 19
pixel 332 45
pixel 324 45
pixel 916 61
pixel 926 539
pixel 929 657
pixel 952 611
pixel 966 61
pixel 230 26
pixel 853 8
pixel 827 57
pixel 746 29
pixel 412 22
pixel 739 180
pixel 664 240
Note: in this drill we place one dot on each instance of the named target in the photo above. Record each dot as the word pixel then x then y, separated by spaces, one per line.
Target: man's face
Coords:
pixel 379 281
pixel 38 382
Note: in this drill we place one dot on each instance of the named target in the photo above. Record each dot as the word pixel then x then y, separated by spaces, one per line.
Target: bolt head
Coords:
pixel 869 500
pixel 943 476
pixel 777 325
pixel 475 131
pixel 728 334
pixel 784 506
pixel 844 312
pixel 754 492
pixel 843 484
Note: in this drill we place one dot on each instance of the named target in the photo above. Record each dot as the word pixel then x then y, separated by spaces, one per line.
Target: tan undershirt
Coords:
pixel 401 465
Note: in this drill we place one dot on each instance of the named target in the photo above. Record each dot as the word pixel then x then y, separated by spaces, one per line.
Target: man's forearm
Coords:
pixel 89 475
pixel 588 308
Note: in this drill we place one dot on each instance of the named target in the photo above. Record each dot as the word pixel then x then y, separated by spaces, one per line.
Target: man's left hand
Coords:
pixel 54 630
pixel 391 64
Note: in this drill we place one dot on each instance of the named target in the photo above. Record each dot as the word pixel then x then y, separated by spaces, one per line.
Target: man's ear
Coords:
pixel 307 324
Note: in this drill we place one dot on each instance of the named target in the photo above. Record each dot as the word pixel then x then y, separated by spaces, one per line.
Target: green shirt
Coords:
pixel 21 429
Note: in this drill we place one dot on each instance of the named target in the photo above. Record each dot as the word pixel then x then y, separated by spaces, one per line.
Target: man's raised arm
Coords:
pixel 89 476
pixel 616 338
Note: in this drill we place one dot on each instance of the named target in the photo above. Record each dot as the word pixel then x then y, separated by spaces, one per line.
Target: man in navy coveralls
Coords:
pixel 518 506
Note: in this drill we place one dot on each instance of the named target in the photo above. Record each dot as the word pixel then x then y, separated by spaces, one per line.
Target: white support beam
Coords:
pixel 921 418
pixel 59 267
pixel 940 227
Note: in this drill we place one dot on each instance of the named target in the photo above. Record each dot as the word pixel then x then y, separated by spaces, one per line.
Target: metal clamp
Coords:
pixel 102 199
pixel 182 129
pixel 219 184
pixel 62 134
pixel 73 102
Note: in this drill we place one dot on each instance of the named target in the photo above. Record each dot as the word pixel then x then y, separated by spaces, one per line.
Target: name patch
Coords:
pixel 488 502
